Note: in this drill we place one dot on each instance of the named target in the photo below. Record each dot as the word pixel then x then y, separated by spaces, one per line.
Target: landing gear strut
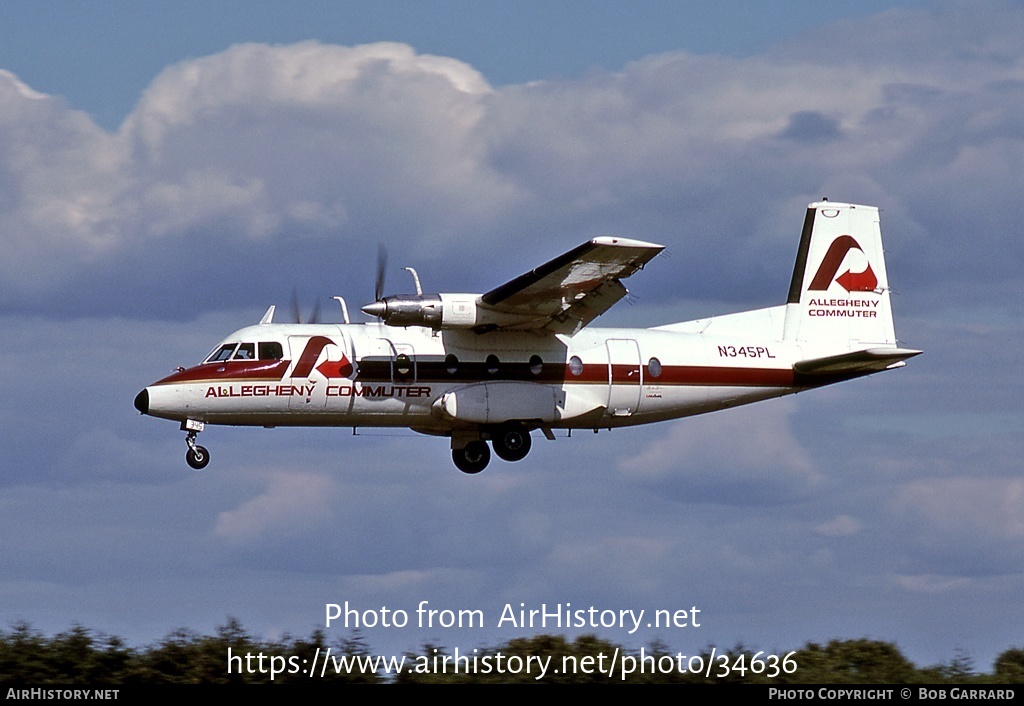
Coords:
pixel 197 456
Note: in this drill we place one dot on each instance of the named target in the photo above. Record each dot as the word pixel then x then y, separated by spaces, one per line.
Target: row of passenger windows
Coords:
pixel 653 367
pixel 451 363
pixel 272 350
pixel 267 350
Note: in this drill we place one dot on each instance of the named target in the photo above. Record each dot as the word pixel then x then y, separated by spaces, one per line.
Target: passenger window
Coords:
pixel 271 350
pixel 536 365
pixel 492 364
pixel 575 365
pixel 246 351
pixel 451 364
pixel 654 367
pixel 403 365
pixel 223 353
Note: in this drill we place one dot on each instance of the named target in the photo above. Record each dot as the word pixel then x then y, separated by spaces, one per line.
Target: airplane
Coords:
pixel 494 367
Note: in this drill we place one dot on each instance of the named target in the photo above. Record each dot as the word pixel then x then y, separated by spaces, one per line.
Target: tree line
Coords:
pixel 82 656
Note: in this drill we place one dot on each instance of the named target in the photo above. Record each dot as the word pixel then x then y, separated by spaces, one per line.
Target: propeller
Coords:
pixel 382 265
pixel 403 309
pixel 378 307
pixel 314 315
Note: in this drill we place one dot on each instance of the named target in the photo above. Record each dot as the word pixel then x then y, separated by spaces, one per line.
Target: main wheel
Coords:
pixel 511 443
pixel 473 457
pixel 197 458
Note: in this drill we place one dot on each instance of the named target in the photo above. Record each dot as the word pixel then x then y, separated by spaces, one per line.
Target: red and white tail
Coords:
pixel 839 296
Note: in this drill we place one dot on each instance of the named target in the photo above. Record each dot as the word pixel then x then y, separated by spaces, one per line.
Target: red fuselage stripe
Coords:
pixel 594 374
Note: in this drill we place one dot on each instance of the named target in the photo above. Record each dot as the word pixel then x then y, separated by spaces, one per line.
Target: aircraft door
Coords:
pixel 625 375
pixel 383 361
pixel 383 367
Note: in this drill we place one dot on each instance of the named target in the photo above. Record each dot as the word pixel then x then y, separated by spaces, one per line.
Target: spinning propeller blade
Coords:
pixel 314 315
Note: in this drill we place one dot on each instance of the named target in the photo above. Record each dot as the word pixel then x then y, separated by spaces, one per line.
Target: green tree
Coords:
pixel 852 662
pixel 1009 666
pixel 25 656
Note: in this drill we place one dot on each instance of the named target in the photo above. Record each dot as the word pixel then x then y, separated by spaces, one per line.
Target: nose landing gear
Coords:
pixel 197 456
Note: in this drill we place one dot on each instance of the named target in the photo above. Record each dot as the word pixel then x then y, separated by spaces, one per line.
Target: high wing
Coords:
pixel 569 292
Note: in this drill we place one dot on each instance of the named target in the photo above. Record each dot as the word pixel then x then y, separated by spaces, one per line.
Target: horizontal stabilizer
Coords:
pixel 867 361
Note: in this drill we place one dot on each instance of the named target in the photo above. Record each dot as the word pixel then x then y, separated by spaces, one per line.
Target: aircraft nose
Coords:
pixel 142 401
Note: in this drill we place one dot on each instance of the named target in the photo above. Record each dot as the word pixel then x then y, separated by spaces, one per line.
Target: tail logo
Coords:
pixel 865 281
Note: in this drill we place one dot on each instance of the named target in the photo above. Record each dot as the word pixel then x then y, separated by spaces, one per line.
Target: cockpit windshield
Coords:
pixel 268 350
pixel 222 353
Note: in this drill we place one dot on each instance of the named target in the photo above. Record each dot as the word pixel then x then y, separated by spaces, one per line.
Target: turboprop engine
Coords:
pixel 442 311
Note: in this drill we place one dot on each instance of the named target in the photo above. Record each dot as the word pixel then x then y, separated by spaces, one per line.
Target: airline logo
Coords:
pixel 853 282
pixel 329 368
pixel 864 281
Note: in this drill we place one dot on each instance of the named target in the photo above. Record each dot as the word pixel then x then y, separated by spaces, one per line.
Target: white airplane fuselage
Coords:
pixel 622 377
pixel 496 366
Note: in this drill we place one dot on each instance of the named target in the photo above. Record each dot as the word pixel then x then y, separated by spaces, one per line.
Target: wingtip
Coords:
pixel 616 241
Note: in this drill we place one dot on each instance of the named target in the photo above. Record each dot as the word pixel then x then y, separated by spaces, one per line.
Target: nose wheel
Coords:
pixel 197 456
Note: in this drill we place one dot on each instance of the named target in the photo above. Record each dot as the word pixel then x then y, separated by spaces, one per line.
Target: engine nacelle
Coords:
pixel 440 311
pixel 408 310
pixel 499 402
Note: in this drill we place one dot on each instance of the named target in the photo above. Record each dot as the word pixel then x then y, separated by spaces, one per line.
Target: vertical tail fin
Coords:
pixel 839 295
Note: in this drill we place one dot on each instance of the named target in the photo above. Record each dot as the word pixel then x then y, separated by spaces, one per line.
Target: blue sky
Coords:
pixel 170 170
pixel 100 57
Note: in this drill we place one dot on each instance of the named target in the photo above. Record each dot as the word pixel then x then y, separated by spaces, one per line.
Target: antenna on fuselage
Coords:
pixel 344 309
pixel 416 280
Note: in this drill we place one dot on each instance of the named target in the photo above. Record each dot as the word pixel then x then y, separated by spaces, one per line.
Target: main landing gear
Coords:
pixel 511 443
pixel 471 455
pixel 197 456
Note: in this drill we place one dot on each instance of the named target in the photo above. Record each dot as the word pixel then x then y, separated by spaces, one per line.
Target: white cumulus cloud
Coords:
pixel 292 503
pixel 731 456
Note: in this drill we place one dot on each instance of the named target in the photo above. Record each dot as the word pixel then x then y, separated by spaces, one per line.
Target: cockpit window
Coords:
pixel 271 350
pixel 223 353
pixel 246 351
